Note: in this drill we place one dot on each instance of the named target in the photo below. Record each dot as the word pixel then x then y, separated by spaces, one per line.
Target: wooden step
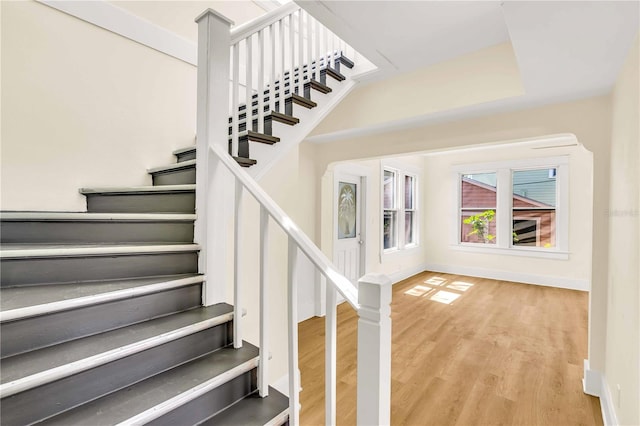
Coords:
pixel 54 264
pixel 80 228
pixel 186 395
pixel 38 316
pixel 141 199
pixel 182 173
pixel 48 381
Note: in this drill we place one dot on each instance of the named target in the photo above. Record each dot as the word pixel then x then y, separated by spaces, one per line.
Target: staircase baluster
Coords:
pixel 235 102
pixel 300 88
pixel 309 51
pixel 263 371
pixel 331 320
pixel 292 54
pixel 249 82
pixel 237 296
pixel 294 397
pixel 316 50
pixel 272 75
pixel 332 50
pixel 281 47
pixel 327 57
pixel 261 72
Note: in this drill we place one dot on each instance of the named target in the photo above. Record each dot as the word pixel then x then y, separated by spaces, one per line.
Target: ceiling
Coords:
pixel 178 16
pixel 565 50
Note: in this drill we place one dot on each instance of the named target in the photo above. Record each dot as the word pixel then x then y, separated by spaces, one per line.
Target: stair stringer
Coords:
pixel 291 136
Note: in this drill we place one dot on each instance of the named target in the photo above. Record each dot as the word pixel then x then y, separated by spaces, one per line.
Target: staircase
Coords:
pixel 102 323
pixel 101 315
pixel 102 319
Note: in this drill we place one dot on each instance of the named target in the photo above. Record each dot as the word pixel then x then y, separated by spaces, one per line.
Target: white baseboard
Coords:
pixel 609 417
pixel 519 277
pixel 591 381
pixel 595 383
pixel 398 276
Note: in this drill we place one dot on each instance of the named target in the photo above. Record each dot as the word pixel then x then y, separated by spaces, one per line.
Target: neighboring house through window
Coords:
pixel 514 206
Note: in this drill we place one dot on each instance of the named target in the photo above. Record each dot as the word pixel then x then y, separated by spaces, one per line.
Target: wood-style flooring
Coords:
pixel 465 351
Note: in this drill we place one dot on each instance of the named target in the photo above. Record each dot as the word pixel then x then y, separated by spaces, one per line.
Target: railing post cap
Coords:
pixel 215 14
pixel 375 278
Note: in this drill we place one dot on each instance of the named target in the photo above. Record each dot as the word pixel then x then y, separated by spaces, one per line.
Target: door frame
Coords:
pixel 328 202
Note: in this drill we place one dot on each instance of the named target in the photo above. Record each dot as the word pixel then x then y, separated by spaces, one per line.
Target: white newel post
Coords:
pixel 214 185
pixel 374 350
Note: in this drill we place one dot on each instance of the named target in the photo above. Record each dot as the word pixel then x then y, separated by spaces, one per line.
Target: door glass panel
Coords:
pixel 347 214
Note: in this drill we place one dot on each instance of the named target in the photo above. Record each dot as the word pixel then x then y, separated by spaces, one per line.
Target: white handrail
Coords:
pixel 324 265
pixel 372 298
pixel 249 28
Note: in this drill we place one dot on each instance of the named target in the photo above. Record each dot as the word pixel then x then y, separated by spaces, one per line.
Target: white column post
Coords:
pixel 213 182
pixel 374 350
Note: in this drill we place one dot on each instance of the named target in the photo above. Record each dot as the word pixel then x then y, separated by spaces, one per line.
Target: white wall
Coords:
pixel 441 220
pixel 82 106
pixel 587 119
pixel 486 75
pixel 621 393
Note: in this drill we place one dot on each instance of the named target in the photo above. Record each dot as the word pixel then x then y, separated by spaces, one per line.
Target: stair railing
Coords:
pixel 271 57
pixel 216 207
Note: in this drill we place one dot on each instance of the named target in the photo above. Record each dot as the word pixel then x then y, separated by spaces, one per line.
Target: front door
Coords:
pixel 347 230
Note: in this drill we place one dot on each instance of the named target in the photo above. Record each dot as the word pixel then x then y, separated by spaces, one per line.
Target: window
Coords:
pixel 534 207
pixel 399 210
pixel 518 206
pixel 390 221
pixel 478 204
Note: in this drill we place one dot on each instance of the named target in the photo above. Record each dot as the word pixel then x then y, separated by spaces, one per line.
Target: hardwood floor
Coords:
pixel 466 351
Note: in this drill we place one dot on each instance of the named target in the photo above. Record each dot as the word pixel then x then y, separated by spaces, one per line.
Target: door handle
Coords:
pixel 360 242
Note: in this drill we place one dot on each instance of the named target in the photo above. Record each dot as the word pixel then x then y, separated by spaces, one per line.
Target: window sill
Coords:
pixel 406 251
pixel 540 253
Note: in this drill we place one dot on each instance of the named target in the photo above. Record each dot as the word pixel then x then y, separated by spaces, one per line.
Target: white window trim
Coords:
pixel 504 213
pixel 401 171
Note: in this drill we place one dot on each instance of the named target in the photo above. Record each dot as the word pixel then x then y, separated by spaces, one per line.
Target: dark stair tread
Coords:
pixel 26 364
pixel 257 137
pixel 302 101
pixel 139 190
pixel 183 165
pixel 251 411
pixel 283 118
pixel 245 162
pixel 130 401
pixel 344 60
pixel 15 216
pixel 334 73
pixel 20 250
pixel 26 296
pixel 316 85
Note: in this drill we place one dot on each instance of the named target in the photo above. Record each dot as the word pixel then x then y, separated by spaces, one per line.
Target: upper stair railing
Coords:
pixel 217 206
pixel 272 57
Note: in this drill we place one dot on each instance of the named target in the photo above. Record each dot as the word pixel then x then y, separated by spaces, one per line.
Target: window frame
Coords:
pixel 398 202
pixel 504 208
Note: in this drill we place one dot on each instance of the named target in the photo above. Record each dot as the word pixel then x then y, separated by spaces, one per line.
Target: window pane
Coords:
pixel 389 231
pixel 534 208
pixel 409 228
pixel 478 208
pixel 389 186
pixel 408 192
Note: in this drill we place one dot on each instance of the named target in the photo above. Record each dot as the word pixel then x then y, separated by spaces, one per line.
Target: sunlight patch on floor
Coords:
pixel 434 289
pixel 460 285
pixel 445 297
